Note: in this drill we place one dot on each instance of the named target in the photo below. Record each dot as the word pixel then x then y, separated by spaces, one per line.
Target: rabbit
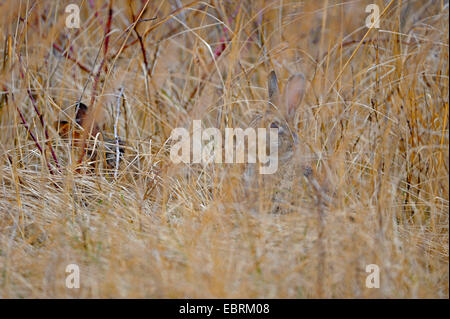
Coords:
pixel 294 157
pixel 94 141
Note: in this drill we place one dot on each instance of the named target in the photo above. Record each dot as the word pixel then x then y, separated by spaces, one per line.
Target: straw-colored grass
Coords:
pixel 375 113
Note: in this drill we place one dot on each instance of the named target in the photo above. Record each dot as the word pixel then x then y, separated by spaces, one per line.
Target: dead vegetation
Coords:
pixel 375 115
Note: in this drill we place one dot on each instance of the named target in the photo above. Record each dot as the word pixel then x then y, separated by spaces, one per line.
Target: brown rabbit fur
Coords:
pixel 94 141
pixel 295 159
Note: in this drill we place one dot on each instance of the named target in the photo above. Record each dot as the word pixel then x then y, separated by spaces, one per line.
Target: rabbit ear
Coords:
pixel 294 92
pixel 81 113
pixel 86 119
pixel 274 90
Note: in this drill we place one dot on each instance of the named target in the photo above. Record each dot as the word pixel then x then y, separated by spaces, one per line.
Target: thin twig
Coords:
pixel 67 55
pixel 116 136
pixel 144 53
pixel 39 114
pixel 27 127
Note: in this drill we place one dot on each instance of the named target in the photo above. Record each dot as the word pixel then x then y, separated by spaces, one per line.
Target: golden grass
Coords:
pixel 376 111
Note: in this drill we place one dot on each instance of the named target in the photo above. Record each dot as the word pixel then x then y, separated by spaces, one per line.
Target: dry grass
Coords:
pixel 376 111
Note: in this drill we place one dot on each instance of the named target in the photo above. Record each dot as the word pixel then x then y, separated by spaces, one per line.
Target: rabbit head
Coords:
pixel 280 111
pixel 81 121
pixel 97 146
